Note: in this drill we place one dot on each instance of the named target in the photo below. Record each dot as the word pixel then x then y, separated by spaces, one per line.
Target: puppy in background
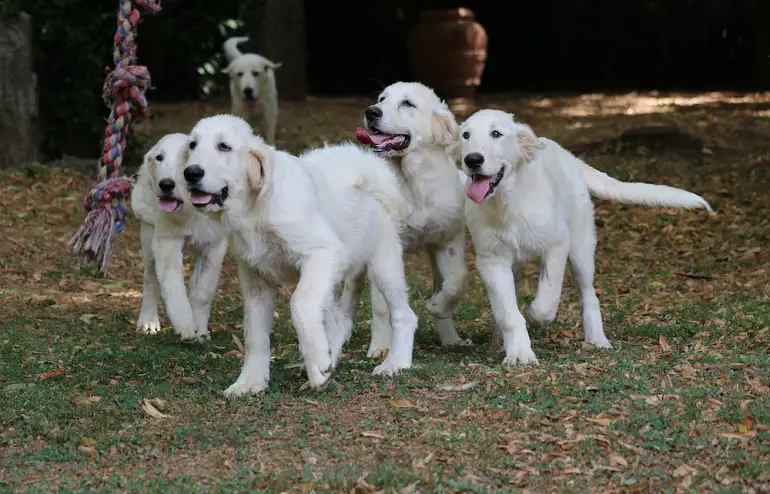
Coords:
pixel 252 83
pixel 168 222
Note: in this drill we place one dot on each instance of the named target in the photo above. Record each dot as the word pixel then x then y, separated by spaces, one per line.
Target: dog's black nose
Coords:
pixel 373 113
pixel 166 185
pixel 473 160
pixel 193 173
pixel 248 93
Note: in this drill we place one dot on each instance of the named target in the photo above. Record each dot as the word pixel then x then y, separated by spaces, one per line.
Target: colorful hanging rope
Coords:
pixel 124 88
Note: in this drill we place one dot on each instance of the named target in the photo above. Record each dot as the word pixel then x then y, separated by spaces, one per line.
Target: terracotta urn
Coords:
pixel 447 51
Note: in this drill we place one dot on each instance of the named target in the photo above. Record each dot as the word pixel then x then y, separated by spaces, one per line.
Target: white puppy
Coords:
pixel 410 124
pixel 252 82
pixel 314 220
pixel 168 222
pixel 529 196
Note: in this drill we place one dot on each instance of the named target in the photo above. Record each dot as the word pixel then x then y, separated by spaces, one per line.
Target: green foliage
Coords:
pixel 73 46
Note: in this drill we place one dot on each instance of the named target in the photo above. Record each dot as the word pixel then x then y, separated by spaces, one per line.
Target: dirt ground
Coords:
pixel 682 403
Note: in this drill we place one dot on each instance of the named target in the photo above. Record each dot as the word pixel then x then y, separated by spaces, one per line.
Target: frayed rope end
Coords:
pixel 106 210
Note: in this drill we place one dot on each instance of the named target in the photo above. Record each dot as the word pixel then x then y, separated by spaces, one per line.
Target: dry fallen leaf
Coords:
pixel 737 435
pixel 650 400
pixel 51 374
pixel 603 421
pixel 151 410
pixel 88 450
pixel 85 400
pixel 87 441
pixel 239 345
pixel 376 435
pixel 616 459
pixel 158 403
pixel 663 342
pixel 684 470
pixel 189 380
pixel 456 387
pixel 401 403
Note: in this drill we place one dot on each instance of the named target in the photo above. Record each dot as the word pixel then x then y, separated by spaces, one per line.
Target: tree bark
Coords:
pixel 282 39
pixel 18 93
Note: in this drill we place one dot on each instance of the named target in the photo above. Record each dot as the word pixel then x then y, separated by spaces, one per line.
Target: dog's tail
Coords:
pixel 603 186
pixel 387 193
pixel 231 47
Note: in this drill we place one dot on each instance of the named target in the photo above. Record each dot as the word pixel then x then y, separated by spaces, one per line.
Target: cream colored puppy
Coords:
pixel 528 196
pixel 168 223
pixel 252 83
pixel 410 125
pixel 314 221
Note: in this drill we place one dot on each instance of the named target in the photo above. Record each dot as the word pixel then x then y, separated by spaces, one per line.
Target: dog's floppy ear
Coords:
pixel 443 126
pixel 256 163
pixel 274 65
pixel 528 142
pixel 149 162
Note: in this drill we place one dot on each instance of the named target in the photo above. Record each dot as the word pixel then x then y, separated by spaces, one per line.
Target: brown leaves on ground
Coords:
pixel 152 408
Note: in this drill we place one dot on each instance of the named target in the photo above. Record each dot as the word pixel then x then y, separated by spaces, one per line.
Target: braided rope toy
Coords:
pixel 124 88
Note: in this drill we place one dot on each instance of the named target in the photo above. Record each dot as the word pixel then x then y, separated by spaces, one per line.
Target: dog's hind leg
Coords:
pixel 203 284
pixel 381 330
pixel 341 313
pixel 169 266
pixel 315 291
pixel 148 320
pixel 386 272
pixel 450 279
pixel 549 286
pixel 582 262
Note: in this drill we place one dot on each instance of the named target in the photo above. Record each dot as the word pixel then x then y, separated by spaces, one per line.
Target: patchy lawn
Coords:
pixel 682 402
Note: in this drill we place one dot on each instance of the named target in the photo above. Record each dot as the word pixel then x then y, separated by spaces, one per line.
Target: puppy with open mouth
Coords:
pixel 528 196
pixel 169 223
pixel 415 130
pixel 314 220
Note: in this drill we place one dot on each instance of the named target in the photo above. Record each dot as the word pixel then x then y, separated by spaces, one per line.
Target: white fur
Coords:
pixel 542 207
pixel 430 186
pixel 163 235
pixel 255 73
pixel 314 220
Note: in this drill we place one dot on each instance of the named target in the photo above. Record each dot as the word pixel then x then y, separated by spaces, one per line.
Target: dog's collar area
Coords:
pixel 201 198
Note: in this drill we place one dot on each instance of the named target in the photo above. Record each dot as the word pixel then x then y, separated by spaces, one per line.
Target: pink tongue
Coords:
pixel 200 198
pixel 167 204
pixel 365 137
pixel 478 189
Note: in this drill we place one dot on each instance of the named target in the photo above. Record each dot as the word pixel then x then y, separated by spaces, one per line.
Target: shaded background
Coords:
pixel 344 47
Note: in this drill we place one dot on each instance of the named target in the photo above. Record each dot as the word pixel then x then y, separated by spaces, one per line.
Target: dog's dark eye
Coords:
pixel 408 103
pixel 239 74
pixel 466 135
pixel 224 147
pixel 159 157
pixel 496 134
pixel 255 73
pixel 380 99
pixel 192 145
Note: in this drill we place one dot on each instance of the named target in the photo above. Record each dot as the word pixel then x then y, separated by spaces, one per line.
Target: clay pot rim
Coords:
pixel 448 13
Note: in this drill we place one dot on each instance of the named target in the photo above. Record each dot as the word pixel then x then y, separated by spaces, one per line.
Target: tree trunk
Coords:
pixel 18 93
pixel 282 39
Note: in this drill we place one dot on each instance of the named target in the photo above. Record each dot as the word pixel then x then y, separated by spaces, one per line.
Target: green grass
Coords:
pixel 562 419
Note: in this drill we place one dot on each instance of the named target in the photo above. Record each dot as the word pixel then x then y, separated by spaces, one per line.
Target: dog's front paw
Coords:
pixel 377 351
pixel 190 336
pixel 457 342
pixel 390 367
pixel 520 355
pixel 318 373
pixel 149 325
pixel 601 342
pixel 248 385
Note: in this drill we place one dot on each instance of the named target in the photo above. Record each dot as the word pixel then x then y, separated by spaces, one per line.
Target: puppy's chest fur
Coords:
pixel 435 208
pixel 197 230
pixel 265 251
